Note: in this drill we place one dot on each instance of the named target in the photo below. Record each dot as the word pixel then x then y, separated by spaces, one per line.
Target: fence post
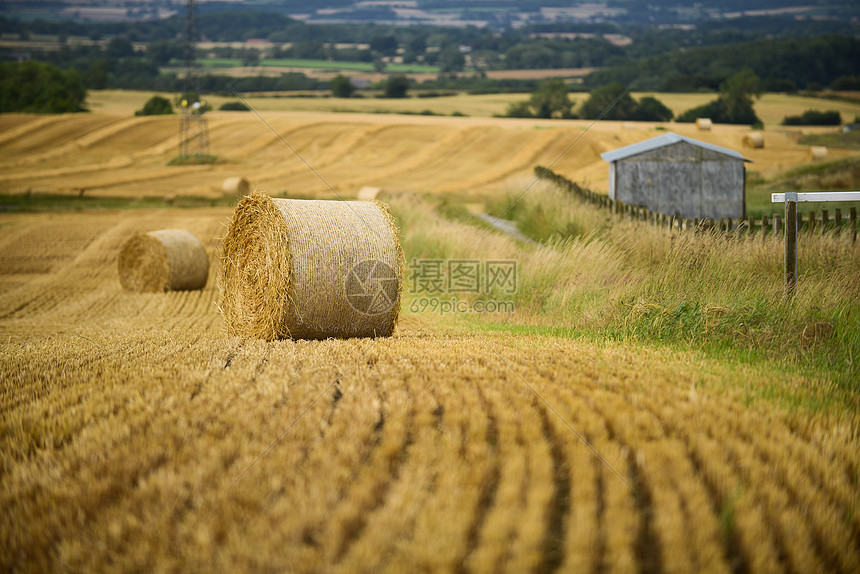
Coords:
pixel 811 227
pixel 838 221
pixel 825 221
pixel 777 225
pixel 791 241
pixel 765 225
pixel 852 222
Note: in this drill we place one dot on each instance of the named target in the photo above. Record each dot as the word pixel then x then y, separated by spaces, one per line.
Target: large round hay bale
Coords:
pixel 703 124
pixel 310 269
pixel 163 260
pixel 235 186
pixel 754 140
pixel 817 152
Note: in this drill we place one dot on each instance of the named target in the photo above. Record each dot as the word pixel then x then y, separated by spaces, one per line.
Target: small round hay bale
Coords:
pixel 163 260
pixel 704 124
pixel 817 152
pixel 236 186
pixel 754 140
pixel 310 269
pixel 368 193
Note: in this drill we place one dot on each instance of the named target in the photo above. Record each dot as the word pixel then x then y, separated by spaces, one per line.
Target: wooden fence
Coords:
pixel 822 221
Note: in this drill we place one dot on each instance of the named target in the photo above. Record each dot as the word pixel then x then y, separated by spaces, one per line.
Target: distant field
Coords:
pixel 319 65
pixel 110 152
pixel 772 108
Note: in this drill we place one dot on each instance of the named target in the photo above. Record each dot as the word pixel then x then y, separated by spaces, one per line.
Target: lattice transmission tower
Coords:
pixel 193 127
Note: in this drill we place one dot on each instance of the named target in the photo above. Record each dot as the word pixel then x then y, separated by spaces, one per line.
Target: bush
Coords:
pixel 549 101
pixel 720 113
pixel 341 87
pixel 156 106
pixel 814 118
pixel 234 107
pixel 735 103
pixel 650 109
pixel 623 106
pixel 396 87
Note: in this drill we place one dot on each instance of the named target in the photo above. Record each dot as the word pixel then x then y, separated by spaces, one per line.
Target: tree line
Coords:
pixel 798 54
pixel 670 60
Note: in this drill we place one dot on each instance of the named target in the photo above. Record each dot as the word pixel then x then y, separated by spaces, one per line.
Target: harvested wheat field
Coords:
pixel 112 154
pixel 135 435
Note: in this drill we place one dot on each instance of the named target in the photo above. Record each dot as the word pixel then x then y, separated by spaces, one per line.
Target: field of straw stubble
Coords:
pixel 136 436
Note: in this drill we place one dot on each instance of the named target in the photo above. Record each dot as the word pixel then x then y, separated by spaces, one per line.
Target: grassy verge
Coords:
pixel 839 175
pixel 618 280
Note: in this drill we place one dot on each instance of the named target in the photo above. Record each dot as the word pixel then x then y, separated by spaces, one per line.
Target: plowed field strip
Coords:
pixel 487 473
pixel 53 139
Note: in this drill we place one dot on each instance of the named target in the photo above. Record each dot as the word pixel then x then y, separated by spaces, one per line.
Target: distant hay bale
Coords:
pixel 817 152
pixel 236 186
pixel 310 269
pixel 703 124
pixel 754 140
pixel 164 260
pixel 368 193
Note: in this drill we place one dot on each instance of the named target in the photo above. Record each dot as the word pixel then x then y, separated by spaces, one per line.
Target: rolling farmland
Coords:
pixel 136 436
pixel 111 154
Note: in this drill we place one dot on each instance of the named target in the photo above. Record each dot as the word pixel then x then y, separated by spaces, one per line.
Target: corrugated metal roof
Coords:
pixel 668 138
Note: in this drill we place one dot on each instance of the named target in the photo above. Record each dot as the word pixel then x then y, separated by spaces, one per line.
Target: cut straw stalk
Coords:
pixel 163 260
pixel 310 269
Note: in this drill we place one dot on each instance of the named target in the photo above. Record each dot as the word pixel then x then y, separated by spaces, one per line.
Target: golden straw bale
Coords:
pixel 163 260
pixel 236 186
pixel 817 152
pixel 754 140
pixel 310 269
pixel 703 124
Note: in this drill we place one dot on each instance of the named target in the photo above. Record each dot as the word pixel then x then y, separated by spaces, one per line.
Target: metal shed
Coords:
pixel 677 175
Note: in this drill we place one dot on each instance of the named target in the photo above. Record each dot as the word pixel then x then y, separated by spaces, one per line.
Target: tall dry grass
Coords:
pixel 619 279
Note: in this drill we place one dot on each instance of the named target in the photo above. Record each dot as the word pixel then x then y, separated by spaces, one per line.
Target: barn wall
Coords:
pixel 682 179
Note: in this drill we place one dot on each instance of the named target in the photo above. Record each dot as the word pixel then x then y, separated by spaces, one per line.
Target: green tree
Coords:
pixel 341 87
pixel 251 58
pixel 451 60
pixel 120 48
pixel 519 110
pixel 161 52
pixel 97 74
pixel 385 44
pixel 734 104
pixel 612 101
pixel 155 106
pixel 379 65
pixel 40 88
pixel 650 109
pixel 396 86
pixel 737 94
pixel 550 100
